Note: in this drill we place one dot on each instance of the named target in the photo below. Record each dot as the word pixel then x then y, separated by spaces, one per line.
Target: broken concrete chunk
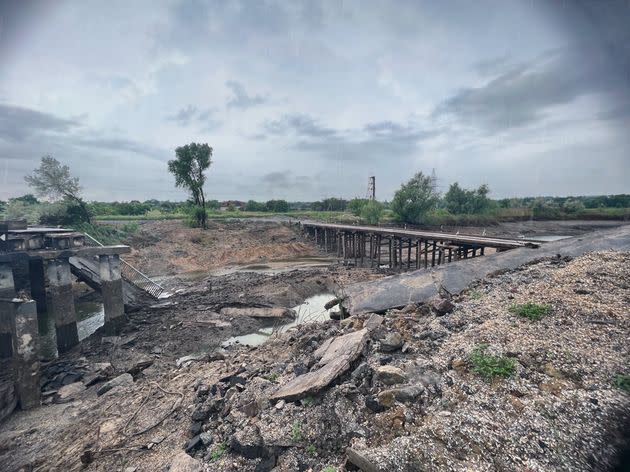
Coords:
pixel 374 321
pixel 363 460
pixel 442 306
pixel 120 381
pixel 337 354
pixel 182 462
pixel 390 375
pixel 259 312
pixel 391 342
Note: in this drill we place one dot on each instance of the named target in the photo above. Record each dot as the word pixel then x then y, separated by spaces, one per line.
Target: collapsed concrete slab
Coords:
pixel 259 312
pixel 335 357
pixel 422 285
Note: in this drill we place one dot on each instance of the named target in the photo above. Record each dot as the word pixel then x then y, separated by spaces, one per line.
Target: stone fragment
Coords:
pixel 336 356
pixel 182 462
pixel 259 312
pixel 280 405
pixel 332 303
pixel 68 392
pixel 250 409
pixel 120 381
pixel 193 444
pixel 248 442
pixel 374 321
pixel 362 460
pixel 390 375
pixel 411 308
pixel 139 365
pixel 387 398
pixel 442 306
pixel 391 342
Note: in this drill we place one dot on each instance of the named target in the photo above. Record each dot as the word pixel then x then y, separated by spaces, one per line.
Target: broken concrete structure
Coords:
pixel 36 276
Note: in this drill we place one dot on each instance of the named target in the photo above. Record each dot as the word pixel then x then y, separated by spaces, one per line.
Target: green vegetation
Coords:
pixel 488 365
pixel 52 180
pixel 459 201
pixel 475 295
pixel 273 377
pixel 622 381
pixel 415 199
pixel 296 431
pixel 188 168
pixel 308 400
pixel 217 451
pixel 533 311
pixel 329 469
pixel 311 450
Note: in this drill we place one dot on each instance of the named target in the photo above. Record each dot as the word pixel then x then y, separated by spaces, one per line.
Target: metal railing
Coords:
pixel 131 274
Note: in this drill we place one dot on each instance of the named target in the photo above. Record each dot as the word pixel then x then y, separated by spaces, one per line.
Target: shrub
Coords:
pixel 533 311
pixel 372 212
pixel 296 431
pixel 488 365
pixel 622 381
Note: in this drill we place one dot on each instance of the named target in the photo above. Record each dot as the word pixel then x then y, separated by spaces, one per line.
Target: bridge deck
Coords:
pixel 494 242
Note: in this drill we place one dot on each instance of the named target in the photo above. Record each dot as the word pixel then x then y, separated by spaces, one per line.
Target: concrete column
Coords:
pixel 112 292
pixel 38 283
pixel 26 354
pixel 7 294
pixel 61 303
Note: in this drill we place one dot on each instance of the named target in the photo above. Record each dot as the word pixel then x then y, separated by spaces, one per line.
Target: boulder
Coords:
pixel 335 357
pixel 363 460
pixel 390 375
pixel 259 312
pixel 182 462
pixel 120 381
pixel 387 398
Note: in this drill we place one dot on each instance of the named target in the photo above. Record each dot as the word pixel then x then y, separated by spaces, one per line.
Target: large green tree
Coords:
pixel 415 199
pixel 188 168
pixel 52 180
pixel 463 201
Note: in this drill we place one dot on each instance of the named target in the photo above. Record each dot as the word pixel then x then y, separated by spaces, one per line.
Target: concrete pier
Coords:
pixel 37 274
pixel 112 292
pixel 26 353
pixel 61 303
pixel 7 294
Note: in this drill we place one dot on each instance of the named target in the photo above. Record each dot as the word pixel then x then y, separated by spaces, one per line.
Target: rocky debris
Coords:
pixel 441 306
pixel 373 322
pixel 409 393
pixel 182 462
pixel 122 380
pixel 139 365
pixel 391 342
pixel 8 398
pixel 248 442
pixel 389 375
pixel 259 312
pixel 362 460
pixel 335 357
pixel 332 303
pixel 69 392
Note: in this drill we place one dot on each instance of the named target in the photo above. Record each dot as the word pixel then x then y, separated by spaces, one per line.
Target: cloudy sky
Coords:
pixel 306 99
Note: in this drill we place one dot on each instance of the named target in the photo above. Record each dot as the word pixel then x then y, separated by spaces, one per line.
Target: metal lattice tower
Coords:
pixel 371 190
pixel 434 181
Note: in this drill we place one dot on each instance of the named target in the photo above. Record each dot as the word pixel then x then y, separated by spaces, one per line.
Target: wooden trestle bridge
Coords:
pixel 401 249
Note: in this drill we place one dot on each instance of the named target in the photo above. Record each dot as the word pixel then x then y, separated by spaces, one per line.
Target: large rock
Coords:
pixel 409 393
pixel 363 460
pixel 182 462
pixel 391 342
pixel 442 306
pixel 259 312
pixel 120 381
pixel 335 357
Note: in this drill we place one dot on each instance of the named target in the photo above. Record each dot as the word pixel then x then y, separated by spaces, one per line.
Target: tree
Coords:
pixel 356 205
pixel 372 212
pixel 277 206
pixel 188 168
pixel 415 198
pixel 53 181
pixel 462 201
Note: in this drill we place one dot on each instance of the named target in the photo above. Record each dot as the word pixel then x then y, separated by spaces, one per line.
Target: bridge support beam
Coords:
pixel 7 294
pixel 26 354
pixel 112 292
pixel 61 304
pixel 37 275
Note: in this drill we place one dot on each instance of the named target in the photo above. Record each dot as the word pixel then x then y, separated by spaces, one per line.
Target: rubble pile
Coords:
pixel 398 391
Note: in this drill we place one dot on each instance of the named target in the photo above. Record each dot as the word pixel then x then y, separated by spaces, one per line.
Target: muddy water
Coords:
pixel 90 316
pixel 310 311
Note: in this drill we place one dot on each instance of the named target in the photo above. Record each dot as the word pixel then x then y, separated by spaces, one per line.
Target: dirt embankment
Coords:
pixel 411 391
pixel 170 247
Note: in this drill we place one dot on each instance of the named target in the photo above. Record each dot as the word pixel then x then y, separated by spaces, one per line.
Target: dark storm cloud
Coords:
pixel 240 98
pixel 191 115
pixel 17 123
pixel 372 142
pixel 299 125
pixel 524 94
pixel 285 180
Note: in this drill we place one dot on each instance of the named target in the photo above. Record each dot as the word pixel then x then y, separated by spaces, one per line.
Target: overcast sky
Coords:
pixel 305 99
